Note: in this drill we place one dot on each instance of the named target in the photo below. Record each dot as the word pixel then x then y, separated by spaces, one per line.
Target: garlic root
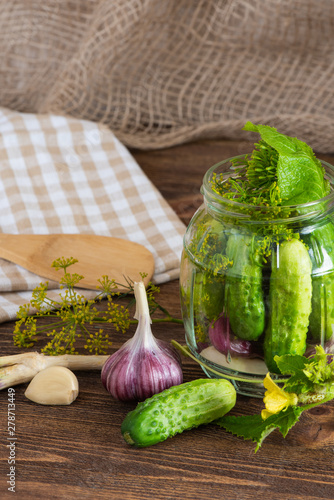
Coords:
pixel 21 368
pixel 55 385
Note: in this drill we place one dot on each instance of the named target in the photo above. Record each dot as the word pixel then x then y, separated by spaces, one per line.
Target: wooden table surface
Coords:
pixel 77 451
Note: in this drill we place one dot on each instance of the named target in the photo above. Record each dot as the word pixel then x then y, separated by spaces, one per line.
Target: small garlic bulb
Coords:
pixel 224 341
pixel 144 365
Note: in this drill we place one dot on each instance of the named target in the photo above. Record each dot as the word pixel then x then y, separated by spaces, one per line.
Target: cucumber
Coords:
pixel 321 249
pixel 244 294
pixel 208 296
pixel 206 252
pixel 289 302
pixel 176 409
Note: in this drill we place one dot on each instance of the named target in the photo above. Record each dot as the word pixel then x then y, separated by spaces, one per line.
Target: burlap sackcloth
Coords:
pixel 64 175
pixel 160 73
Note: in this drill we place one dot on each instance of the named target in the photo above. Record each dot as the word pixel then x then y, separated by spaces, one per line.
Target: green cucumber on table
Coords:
pixel 181 407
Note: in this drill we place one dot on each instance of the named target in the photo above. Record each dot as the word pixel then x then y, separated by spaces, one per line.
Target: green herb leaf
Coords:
pixel 294 365
pixel 255 428
pixel 291 364
pixel 311 378
pixel 300 174
pixel 308 375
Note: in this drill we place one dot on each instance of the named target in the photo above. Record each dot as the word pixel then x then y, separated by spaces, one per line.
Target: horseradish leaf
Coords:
pixel 300 175
pixel 255 428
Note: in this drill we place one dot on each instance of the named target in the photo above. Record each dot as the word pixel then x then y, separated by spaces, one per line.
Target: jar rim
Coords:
pixel 222 205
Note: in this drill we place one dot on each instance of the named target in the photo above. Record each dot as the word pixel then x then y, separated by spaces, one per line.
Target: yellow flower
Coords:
pixel 275 398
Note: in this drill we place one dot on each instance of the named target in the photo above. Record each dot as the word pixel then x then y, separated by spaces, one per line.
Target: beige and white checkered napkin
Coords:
pixel 63 175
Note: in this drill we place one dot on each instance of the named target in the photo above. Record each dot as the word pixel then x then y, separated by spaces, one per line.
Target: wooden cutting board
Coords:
pixel 96 255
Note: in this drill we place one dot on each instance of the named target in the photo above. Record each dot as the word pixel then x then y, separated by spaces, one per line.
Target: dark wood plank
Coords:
pixel 78 451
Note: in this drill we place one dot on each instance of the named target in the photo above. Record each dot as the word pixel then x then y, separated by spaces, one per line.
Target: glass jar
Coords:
pixel 256 282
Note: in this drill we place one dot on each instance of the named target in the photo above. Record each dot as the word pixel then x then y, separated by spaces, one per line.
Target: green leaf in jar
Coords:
pixel 300 175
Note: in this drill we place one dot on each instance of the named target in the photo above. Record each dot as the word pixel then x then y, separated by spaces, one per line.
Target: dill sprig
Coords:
pixel 253 182
pixel 70 316
pixel 254 179
pixel 262 167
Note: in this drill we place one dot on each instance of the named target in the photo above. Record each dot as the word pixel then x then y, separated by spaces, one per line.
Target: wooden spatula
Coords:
pixel 96 255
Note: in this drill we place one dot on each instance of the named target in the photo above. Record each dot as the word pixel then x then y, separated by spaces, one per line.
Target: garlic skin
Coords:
pixel 144 365
pixel 55 385
pixel 224 341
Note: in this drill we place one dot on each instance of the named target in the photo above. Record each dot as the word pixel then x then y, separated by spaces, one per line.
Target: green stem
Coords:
pixel 52 325
pixel 51 303
pixel 170 319
pixel 49 327
pixel 317 403
pixel 134 321
pixel 84 331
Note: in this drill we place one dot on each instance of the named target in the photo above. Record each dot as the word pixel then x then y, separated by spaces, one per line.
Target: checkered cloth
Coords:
pixel 63 175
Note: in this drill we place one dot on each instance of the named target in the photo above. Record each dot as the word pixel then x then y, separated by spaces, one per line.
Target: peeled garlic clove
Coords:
pixel 55 385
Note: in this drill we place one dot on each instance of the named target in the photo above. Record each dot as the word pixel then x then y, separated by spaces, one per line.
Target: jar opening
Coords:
pixel 220 206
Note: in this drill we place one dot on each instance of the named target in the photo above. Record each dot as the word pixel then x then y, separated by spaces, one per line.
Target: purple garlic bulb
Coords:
pixel 144 365
pixel 225 342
